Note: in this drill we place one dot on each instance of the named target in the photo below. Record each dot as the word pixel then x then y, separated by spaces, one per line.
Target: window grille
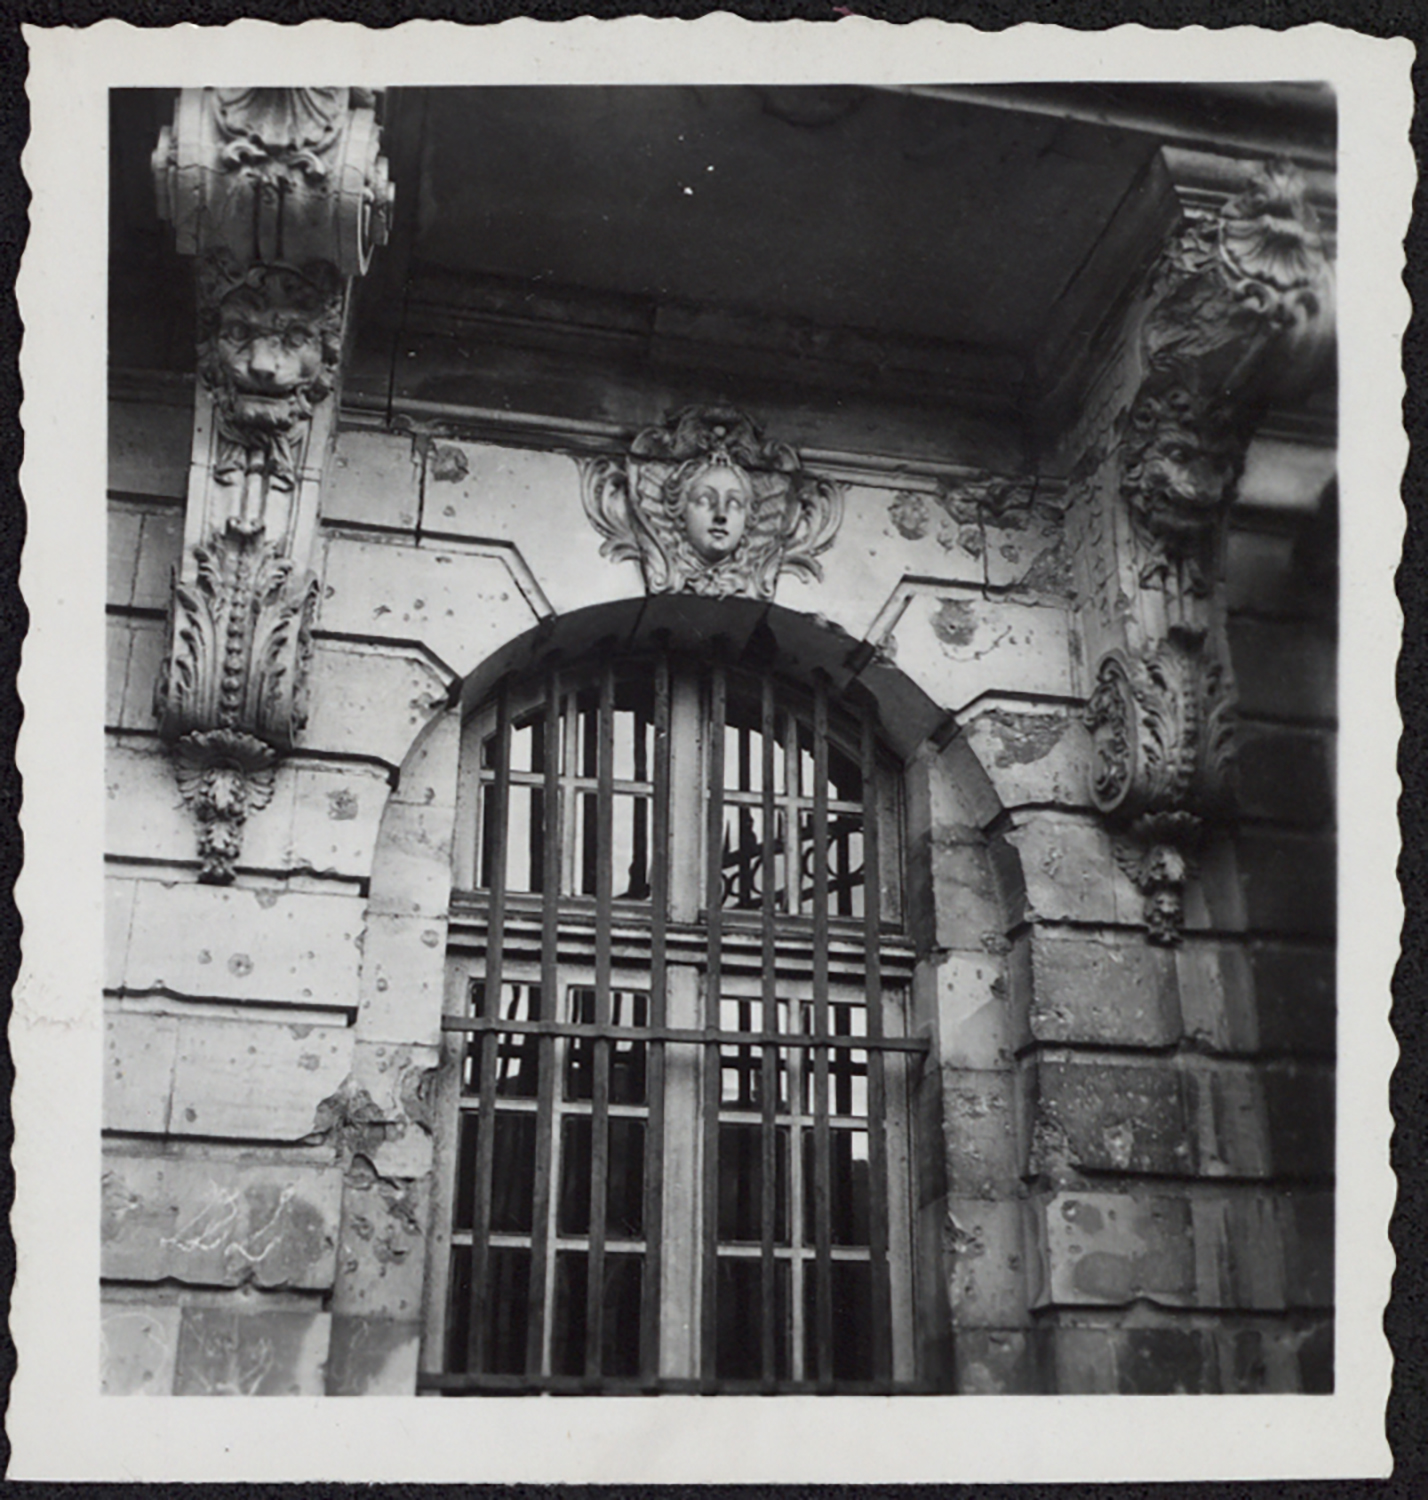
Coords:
pixel 681 1142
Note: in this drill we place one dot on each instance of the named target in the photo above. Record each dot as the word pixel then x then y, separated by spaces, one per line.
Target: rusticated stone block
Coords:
pixel 228 943
pixel 118 922
pixel 219 1223
pixel 973 1010
pixel 272 1352
pixel 1032 757
pixel 1306 1223
pixel 967 910
pixel 1294 996
pixel 1284 775
pixel 139 1056
pixel 986 1256
pixel 1135 1361
pixel 1070 874
pixel 461 604
pixel 957 645
pixel 374 479
pixel 1216 995
pixel 984 1150
pixel 1283 671
pixel 138 1348
pixel 1299 1105
pixel 348 678
pixel 997 1361
pixel 1239 1258
pixel 1256 1359
pixel 403 974
pixel 1226 1103
pixel 1289 882
pixel 412 868
pixel 202 1075
pixel 1097 1248
pixel 1097 1116
pixel 372 1356
pixel 1096 990
pixel 382 1251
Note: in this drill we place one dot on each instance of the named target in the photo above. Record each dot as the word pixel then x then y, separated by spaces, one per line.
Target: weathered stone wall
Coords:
pixel 1128 1190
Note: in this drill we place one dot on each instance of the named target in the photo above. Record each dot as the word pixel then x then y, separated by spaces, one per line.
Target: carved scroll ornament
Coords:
pixel 706 506
pixel 1162 738
pixel 1240 314
pixel 270 174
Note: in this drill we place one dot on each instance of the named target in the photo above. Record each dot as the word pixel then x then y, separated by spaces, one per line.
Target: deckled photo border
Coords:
pixel 60 1427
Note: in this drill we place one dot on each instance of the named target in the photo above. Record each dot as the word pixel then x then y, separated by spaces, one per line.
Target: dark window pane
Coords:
pixel 848 1206
pixel 852 1320
pixel 741 1184
pixel 517 1054
pixel 620 1298
pixel 739 1319
pixel 506 1311
pixel 464 1212
pixel 513 1174
pixel 625 1182
pixel 573 1207
pixel 627 1058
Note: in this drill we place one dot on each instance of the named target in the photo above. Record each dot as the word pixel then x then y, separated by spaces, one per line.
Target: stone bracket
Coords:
pixel 280 196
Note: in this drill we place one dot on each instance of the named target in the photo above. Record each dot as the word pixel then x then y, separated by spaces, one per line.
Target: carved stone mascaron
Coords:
pixel 707 506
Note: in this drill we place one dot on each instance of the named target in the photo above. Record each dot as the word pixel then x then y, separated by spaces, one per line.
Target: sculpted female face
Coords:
pixel 716 511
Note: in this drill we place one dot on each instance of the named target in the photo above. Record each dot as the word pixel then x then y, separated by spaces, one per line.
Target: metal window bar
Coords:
pixel 490 1044
pixel 709 1278
pixel 822 1170
pixel 600 1102
pixel 658 1017
pixel 769 1057
pixel 552 747
pixel 877 1144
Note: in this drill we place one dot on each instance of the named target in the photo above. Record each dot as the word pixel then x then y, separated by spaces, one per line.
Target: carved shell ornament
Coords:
pixel 707 506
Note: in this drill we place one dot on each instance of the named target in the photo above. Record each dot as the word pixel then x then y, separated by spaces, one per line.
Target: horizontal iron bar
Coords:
pixel 706 1036
pixel 579 1385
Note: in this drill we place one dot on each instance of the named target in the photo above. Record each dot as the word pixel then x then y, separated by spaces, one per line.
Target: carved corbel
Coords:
pixel 280 195
pixel 1162 735
pixel 1239 316
pixel 707 506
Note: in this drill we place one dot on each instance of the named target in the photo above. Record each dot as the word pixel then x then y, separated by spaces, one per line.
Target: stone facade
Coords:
pixel 1119 878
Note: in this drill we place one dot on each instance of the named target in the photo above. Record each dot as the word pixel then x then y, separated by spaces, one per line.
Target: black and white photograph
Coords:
pixel 743 756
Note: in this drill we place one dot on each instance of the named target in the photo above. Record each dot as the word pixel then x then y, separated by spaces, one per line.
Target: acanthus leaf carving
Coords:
pixel 1161 727
pixel 707 506
pixel 240 641
pixel 224 775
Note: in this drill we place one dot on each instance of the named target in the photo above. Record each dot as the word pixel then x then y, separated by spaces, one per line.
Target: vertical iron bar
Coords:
pixel 714 984
pixel 658 1013
pixel 476 1350
pixel 600 1093
pixel 768 1130
pixel 550 1011
pixel 822 1170
pixel 877 1141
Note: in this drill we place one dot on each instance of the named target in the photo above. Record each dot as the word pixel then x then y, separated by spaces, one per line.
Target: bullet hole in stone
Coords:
pixel 240 964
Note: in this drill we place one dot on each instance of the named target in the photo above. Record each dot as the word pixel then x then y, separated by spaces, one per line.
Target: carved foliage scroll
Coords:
pixel 1162 734
pixel 707 506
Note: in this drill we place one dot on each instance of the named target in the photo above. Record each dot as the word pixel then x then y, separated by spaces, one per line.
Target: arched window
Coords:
pixel 679 1154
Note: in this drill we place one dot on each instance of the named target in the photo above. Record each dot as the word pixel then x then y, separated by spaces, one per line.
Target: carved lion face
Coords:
pixel 1178 471
pixel 272 347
